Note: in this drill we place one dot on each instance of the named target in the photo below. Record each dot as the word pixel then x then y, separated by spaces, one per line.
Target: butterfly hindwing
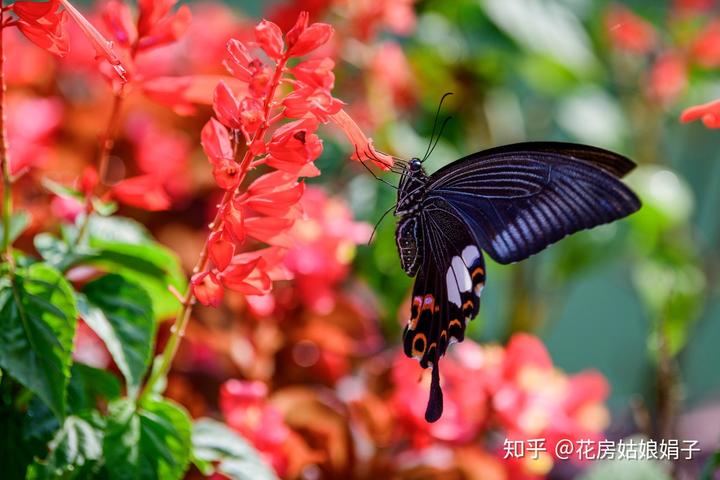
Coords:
pixel 445 297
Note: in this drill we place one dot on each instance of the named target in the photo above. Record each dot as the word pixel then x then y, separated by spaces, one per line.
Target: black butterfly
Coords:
pixel 510 202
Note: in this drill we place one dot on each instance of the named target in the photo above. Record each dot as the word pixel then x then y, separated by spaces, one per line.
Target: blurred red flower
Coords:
pixel 709 113
pixel 628 31
pixel 144 191
pixel 667 77
pixel 43 24
pixel 705 49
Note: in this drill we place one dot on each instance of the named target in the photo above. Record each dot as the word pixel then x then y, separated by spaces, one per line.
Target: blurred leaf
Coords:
pixel 62 191
pixel 74 450
pixel 104 208
pixel 18 223
pixel 58 253
pixel 120 313
pixel 592 116
pixel 215 443
pixel 118 229
pixel 711 467
pixel 545 26
pixel 37 326
pixel 152 442
pixel 87 384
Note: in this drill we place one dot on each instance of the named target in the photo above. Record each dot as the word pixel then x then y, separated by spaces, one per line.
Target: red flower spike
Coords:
pixel 709 113
pixel 269 37
pixel 144 192
pixel 168 30
pixel 119 20
pixel 309 99
pixel 226 106
pixel 215 141
pixel 227 174
pixel 221 249
pixel 316 72
pixel 207 289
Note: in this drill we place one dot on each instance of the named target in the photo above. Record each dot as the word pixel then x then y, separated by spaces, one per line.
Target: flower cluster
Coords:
pixel 670 64
pixel 516 390
pixel 247 132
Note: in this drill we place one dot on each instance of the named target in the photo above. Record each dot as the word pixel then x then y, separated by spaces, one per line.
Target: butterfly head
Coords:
pixel 415 164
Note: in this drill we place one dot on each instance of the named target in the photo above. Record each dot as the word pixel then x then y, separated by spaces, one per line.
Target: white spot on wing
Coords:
pixel 452 287
pixel 464 282
pixel 470 254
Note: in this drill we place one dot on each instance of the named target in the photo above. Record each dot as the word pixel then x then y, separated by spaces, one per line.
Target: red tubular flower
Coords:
pixel 294 147
pixel 227 174
pixel 252 116
pixel 43 24
pixel 309 99
pixel 156 26
pixel 303 39
pixel 364 149
pixel 119 20
pixel 275 194
pixel 628 31
pixel 207 289
pixel 215 141
pixel 705 50
pixel 232 217
pixel 145 191
pixel 247 277
pixel 269 37
pixel 709 113
pixel 226 106
pixel 317 72
pixel 668 77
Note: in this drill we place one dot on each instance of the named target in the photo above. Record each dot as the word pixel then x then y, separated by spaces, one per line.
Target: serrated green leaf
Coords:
pixel 118 229
pixel 87 384
pixel 73 452
pixel 18 223
pixel 58 253
pixel 215 443
pixel 152 442
pixel 120 313
pixel 37 326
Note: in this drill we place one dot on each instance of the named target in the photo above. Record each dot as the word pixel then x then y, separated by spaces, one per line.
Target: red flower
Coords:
pixel 303 39
pixel 245 408
pixel 705 49
pixel 221 249
pixel 119 20
pixel 709 113
pixel 275 194
pixel 43 24
pixel 317 72
pixel 269 37
pixel 207 289
pixel 215 141
pixel 628 31
pixel 294 147
pixel 309 99
pixel 145 191
pixel 226 106
pixel 246 276
pixel 156 26
pixel 668 77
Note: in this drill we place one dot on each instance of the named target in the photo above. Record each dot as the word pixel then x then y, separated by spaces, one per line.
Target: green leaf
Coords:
pixel 148 264
pixel 215 443
pixel 37 325
pixel 118 229
pixel 152 442
pixel 58 253
pixel 87 384
pixel 120 313
pixel 18 223
pixel 74 450
pixel 104 208
pixel 62 191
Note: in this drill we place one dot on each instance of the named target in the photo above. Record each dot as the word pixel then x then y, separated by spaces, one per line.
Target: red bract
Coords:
pixel 269 37
pixel 709 113
pixel 207 288
pixel 294 147
pixel 156 26
pixel 317 72
pixel 628 31
pixel 309 99
pixel 43 24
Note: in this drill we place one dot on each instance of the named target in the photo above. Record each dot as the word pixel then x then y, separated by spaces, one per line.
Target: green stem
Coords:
pixel 5 158
pixel 177 331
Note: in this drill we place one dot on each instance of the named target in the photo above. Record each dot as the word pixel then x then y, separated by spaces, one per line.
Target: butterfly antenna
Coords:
pixel 432 135
pixel 378 223
pixel 442 127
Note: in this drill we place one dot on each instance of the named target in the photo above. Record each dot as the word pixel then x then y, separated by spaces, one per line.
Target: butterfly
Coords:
pixel 509 202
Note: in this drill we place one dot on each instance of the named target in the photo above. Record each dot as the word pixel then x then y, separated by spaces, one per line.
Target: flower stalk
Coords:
pixel 4 156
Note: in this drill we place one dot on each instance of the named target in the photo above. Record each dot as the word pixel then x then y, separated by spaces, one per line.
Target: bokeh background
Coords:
pixel 637 301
